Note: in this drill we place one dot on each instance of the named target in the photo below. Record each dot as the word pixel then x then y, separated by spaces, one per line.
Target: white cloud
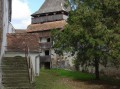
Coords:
pixel 20 14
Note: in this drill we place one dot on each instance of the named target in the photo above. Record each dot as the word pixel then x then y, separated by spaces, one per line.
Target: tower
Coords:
pixel 51 15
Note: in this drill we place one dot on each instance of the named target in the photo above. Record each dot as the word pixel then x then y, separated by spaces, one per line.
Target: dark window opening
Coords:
pixel 45 65
pixel 47 52
pixel 48 39
pixel 40 39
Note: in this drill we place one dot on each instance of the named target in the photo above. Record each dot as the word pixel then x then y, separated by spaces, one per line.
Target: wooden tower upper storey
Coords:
pixel 51 10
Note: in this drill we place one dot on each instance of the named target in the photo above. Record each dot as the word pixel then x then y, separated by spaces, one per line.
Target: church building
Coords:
pixel 52 15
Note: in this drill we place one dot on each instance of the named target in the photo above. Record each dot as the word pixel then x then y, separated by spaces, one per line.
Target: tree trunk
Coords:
pixel 97 77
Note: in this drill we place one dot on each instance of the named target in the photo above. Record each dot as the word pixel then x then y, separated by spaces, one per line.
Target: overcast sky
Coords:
pixel 21 11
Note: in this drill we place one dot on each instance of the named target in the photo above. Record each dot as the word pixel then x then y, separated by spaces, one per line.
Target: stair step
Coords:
pixel 17 66
pixel 14 78
pixel 14 68
pixel 6 81
pixel 14 71
pixel 13 63
pixel 17 85
pixel 19 88
pixel 15 74
pixel 14 60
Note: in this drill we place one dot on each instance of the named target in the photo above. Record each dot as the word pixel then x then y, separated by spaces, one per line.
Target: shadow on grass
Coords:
pixel 89 79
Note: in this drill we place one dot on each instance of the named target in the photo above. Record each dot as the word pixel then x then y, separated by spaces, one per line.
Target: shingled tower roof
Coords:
pixel 52 6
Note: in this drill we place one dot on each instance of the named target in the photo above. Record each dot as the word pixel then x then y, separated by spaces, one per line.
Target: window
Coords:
pixel 48 39
pixel 40 39
pixel 47 52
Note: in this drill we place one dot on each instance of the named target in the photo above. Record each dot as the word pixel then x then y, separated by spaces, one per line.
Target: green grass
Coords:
pixel 86 77
pixel 51 79
pixel 74 74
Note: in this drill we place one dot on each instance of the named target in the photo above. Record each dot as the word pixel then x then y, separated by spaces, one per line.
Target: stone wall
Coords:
pixel 67 62
pixel 110 70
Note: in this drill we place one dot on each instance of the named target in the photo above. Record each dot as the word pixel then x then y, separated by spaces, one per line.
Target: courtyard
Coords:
pixel 64 79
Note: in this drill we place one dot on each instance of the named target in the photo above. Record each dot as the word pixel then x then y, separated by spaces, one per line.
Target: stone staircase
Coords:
pixel 15 73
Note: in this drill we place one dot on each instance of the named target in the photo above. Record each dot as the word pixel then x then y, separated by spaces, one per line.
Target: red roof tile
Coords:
pixel 17 42
pixel 46 26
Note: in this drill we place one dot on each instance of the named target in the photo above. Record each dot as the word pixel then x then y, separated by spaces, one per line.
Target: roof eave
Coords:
pixel 34 14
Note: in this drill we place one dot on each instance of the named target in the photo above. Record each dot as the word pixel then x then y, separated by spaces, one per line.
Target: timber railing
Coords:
pixel 46 58
pixel 48 18
pixel 30 65
pixel 45 45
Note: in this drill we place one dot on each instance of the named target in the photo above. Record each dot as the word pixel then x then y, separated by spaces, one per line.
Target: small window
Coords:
pixel 40 39
pixel 47 52
pixel 48 39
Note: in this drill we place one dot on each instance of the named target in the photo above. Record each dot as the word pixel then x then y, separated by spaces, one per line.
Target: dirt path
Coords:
pixel 74 84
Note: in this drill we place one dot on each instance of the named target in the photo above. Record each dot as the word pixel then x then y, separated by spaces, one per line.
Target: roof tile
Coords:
pixel 52 6
pixel 46 26
pixel 17 42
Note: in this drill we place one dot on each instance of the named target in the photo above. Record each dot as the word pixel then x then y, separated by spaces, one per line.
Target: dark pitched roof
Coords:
pixel 17 42
pixel 46 26
pixel 52 6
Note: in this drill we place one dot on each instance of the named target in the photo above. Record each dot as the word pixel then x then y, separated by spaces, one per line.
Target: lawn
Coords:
pixel 74 74
pixel 49 80
pixel 64 79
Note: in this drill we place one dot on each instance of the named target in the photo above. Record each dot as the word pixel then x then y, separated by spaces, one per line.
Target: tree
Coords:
pixel 92 32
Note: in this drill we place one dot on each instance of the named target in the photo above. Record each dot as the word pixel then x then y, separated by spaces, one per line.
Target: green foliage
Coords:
pixel 93 32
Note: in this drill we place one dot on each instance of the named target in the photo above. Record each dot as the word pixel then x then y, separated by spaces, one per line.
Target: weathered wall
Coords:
pixel 5 25
pixel 1 21
pixel 65 61
pixel 1 31
pixel 11 29
pixel 0 13
pixel 6 18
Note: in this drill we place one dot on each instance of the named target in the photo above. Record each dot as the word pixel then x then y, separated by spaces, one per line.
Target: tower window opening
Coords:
pixel 47 52
pixel 48 39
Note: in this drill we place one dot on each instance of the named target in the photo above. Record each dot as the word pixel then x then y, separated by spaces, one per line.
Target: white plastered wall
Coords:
pixel 5 28
pixel 11 29
pixel 5 25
